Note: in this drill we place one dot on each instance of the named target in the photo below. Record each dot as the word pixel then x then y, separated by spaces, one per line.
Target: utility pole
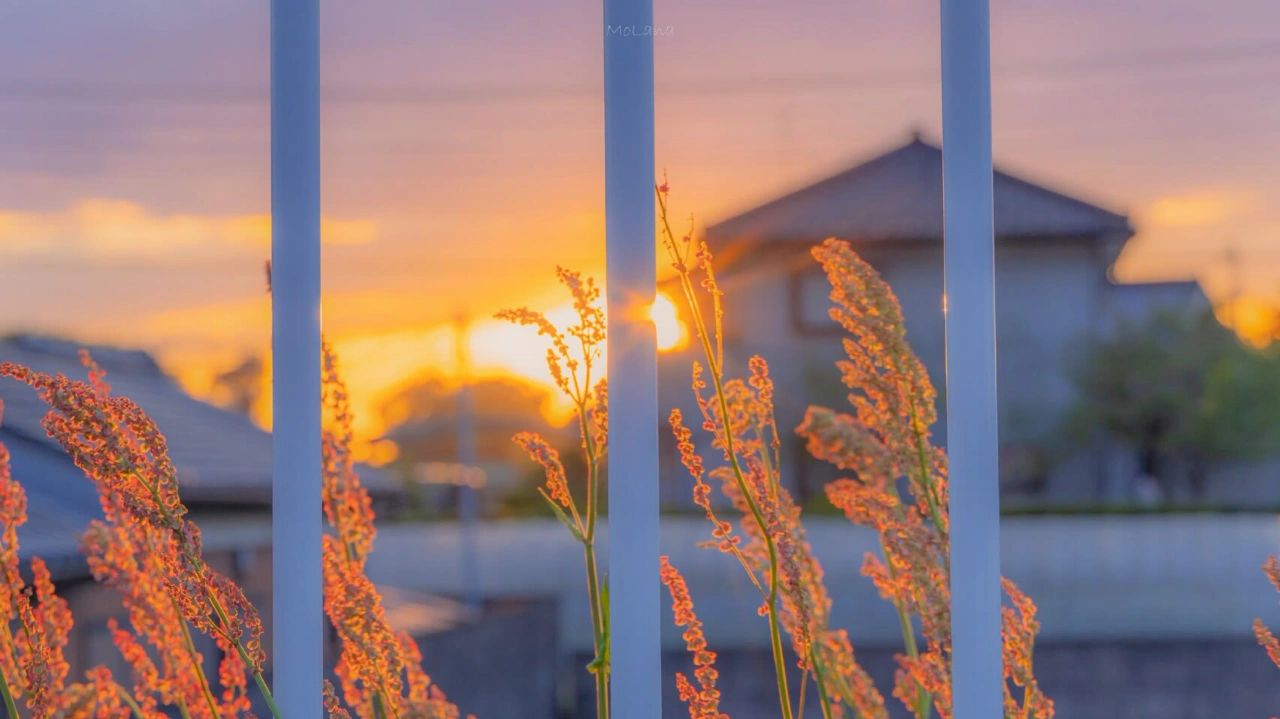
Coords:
pixel 468 501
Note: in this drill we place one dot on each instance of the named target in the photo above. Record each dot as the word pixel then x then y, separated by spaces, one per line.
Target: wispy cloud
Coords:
pixel 104 229
pixel 1199 208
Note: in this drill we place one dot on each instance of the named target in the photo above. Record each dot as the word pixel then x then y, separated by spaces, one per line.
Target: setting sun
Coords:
pixel 672 334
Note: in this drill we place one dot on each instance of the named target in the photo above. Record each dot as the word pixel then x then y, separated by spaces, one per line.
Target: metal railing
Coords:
pixel 633 414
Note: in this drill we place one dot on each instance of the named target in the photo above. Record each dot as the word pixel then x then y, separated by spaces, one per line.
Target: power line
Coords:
pixel 1163 59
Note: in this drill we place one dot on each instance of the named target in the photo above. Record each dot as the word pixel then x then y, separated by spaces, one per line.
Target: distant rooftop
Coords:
pixel 220 455
pixel 223 459
pixel 898 195
pixel 1138 300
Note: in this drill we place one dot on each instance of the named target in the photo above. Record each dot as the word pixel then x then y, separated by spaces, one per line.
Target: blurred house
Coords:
pixel 1054 291
pixel 434 426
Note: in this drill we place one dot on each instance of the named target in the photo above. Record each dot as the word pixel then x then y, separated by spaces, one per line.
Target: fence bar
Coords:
pixel 969 260
pixel 295 319
pixel 635 687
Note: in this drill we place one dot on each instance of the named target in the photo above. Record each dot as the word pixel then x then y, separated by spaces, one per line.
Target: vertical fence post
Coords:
pixel 972 444
pixel 635 687
pixel 297 616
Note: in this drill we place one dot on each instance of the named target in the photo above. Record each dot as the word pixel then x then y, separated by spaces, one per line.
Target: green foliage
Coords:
pixel 1180 387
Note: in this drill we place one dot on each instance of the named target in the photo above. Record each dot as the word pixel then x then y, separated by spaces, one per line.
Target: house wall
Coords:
pixel 1048 295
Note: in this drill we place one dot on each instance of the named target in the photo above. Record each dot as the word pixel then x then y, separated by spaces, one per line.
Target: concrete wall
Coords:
pixel 1114 578
pixel 1142 616
pixel 1178 679
pixel 503 664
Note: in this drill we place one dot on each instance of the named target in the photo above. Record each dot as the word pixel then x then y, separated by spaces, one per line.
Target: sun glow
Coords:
pixel 377 363
pixel 672 333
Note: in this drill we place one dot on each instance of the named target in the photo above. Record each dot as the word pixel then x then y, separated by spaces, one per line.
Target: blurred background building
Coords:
pixel 1138 301
pixel 1058 298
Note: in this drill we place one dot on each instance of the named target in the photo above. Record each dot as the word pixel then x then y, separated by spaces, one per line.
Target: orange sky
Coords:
pixel 462 150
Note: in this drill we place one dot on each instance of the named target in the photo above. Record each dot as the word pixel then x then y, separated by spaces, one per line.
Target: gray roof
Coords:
pixel 898 195
pixel 61 501
pixel 220 456
pixel 223 459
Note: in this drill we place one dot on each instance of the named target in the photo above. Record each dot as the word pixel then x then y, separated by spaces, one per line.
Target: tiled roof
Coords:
pixel 898 195
pixel 222 458
pixel 220 455
pixel 61 501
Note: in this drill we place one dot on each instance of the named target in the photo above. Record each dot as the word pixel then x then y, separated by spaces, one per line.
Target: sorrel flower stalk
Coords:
pixel 739 416
pixel 150 554
pixel 128 557
pixel 167 668
pixel 31 661
pixel 704 699
pixel 32 665
pixel 122 451
pixel 13 514
pixel 1267 640
pixel 887 441
pixel 380 669
pixel 571 359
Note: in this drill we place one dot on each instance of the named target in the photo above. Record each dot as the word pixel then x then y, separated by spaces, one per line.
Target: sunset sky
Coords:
pixel 462 150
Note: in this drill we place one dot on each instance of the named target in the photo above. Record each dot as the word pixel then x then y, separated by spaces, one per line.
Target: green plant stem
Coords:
pixel 804 685
pixel 133 705
pixel 716 371
pixel 842 688
pixel 775 631
pixel 924 699
pixel 9 705
pixel 380 693
pixel 819 678
pixel 924 704
pixel 926 474
pixel 195 662
pixel 244 656
pixel 599 631
pixel 213 599
pixel 1029 695
pixel 779 661
pixel 600 665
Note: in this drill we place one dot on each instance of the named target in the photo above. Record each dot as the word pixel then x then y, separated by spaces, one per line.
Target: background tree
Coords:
pixel 239 388
pixel 1181 390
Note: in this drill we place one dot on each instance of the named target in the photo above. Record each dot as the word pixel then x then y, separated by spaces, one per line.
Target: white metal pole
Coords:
pixel 972 443
pixel 635 685
pixel 298 621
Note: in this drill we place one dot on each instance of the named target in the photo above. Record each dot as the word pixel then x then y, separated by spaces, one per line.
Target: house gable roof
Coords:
pixel 898 195
pixel 223 460
pixel 1136 301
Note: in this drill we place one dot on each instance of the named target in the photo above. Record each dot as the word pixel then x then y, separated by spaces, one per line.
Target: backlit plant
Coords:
pixel 572 359
pixel 1267 640
pixel 738 415
pixel 886 441
pixel 150 553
